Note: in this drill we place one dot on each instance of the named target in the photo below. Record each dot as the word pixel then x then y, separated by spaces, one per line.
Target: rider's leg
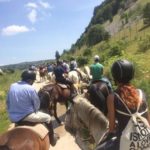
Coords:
pixel 52 136
pixel 45 119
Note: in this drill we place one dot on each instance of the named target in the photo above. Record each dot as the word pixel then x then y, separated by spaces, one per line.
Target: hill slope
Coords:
pixel 129 38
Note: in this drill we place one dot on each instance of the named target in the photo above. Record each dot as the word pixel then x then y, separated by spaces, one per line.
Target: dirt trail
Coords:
pixel 66 141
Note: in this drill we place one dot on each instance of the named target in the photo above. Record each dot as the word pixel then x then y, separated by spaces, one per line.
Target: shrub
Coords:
pixel 87 52
pixel 144 45
pixel 82 61
pixel 146 14
pixel 96 34
pixel 115 51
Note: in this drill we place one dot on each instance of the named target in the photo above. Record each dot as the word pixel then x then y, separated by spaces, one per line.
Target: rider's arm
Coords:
pixel 111 112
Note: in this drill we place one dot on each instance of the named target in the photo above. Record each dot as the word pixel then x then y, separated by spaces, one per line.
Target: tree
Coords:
pixel 57 55
pixel 96 34
pixel 146 14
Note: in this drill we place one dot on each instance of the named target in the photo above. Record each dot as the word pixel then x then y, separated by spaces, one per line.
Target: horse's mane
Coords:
pixel 93 118
pixel 87 111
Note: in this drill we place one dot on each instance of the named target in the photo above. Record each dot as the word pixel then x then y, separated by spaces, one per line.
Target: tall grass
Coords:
pixel 5 81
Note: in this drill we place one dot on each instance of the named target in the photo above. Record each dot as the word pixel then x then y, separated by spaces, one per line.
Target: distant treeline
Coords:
pixel 25 65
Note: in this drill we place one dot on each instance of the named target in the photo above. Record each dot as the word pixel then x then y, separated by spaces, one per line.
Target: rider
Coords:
pixel 96 69
pixel 73 64
pixel 60 77
pixel 23 104
pixel 122 72
pixel 66 66
pixel 97 94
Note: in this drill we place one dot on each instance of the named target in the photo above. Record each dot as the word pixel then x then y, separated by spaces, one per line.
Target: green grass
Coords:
pixel 5 81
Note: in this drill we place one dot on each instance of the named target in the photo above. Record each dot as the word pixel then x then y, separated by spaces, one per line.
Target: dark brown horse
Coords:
pixel 56 93
pixel 98 92
pixel 23 139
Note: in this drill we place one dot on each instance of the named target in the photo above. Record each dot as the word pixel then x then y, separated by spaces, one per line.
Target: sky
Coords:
pixel 32 30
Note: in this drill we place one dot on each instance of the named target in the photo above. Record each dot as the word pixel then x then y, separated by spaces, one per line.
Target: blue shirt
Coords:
pixel 59 71
pixel 22 99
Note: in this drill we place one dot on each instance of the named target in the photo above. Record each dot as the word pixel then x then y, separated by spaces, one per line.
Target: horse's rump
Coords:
pixel 98 93
pixel 39 129
pixel 23 138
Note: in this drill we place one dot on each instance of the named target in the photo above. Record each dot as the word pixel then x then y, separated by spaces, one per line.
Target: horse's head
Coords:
pixel 44 100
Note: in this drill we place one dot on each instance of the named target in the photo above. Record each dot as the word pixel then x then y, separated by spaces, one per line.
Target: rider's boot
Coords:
pixel 52 136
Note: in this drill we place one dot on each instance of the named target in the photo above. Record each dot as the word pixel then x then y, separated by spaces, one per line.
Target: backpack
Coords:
pixel 136 135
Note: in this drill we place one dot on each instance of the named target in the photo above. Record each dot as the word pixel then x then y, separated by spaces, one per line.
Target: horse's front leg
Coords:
pixel 66 105
pixel 55 114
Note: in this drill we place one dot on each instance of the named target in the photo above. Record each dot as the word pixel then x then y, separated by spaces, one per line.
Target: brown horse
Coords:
pixel 43 73
pixel 23 139
pixel 98 92
pixel 55 93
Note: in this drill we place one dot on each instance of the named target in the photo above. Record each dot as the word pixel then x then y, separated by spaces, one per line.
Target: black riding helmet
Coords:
pixel 122 71
pixel 28 75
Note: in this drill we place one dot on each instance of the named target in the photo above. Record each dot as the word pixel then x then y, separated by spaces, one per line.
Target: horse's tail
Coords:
pixel 4 147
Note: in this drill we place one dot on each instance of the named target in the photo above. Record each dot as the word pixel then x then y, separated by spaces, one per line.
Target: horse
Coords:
pixel 83 114
pixel 23 138
pixel 42 73
pixel 51 77
pixel 98 92
pixel 56 93
pixel 75 78
pixel 86 69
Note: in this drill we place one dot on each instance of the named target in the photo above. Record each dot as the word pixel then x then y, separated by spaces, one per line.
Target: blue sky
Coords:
pixel 33 30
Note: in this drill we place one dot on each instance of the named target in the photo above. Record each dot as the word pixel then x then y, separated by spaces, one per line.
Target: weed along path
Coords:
pixel 66 141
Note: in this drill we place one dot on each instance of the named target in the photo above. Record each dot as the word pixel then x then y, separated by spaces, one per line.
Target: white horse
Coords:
pixel 87 71
pixel 83 113
pixel 75 78
pixel 51 77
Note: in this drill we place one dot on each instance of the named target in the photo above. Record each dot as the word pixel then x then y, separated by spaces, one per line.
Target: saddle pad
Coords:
pixel 62 86
pixel 40 129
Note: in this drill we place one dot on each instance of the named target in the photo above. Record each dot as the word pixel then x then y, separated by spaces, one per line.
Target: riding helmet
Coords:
pixel 122 71
pixel 96 58
pixel 28 75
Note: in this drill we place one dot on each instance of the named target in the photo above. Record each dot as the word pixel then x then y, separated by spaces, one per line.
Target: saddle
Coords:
pixel 63 86
pixel 38 128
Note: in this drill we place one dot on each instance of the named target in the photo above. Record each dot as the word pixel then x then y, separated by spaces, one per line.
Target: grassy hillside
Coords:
pixel 130 39
pixel 5 81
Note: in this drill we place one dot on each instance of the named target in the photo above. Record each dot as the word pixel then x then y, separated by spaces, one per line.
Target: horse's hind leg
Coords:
pixel 4 147
pixel 55 114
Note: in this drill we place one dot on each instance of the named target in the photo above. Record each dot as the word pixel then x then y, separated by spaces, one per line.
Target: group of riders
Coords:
pixel 23 102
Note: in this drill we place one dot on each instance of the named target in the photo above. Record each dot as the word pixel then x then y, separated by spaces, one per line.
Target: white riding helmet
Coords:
pixel 96 57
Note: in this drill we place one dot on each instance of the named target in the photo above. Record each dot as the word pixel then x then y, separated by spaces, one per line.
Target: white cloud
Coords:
pixel 38 9
pixel 32 16
pixel 14 29
pixel 44 4
pixel 32 5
